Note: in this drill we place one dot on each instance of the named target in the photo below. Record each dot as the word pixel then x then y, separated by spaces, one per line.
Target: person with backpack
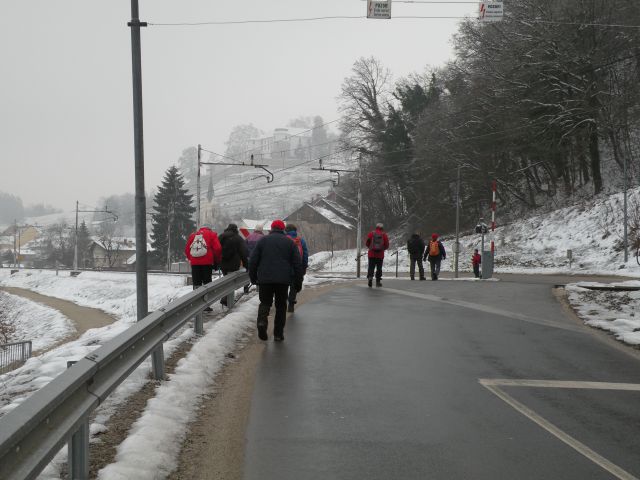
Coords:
pixel 435 253
pixel 377 242
pixel 476 260
pixel 204 253
pixel 274 266
pixel 415 246
pixel 292 233
pixel 234 252
pixel 254 237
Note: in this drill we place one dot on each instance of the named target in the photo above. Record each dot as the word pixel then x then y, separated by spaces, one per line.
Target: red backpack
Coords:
pixel 298 244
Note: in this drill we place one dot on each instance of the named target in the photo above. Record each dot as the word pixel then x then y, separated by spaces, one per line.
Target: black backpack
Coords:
pixel 377 242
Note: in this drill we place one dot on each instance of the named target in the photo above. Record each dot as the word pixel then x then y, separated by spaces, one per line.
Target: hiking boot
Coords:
pixel 278 338
pixel 290 308
pixel 422 278
pixel 412 278
pixel 378 283
pixel 370 282
pixel 263 322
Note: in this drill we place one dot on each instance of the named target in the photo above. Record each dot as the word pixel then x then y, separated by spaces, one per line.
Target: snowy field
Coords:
pixel 43 325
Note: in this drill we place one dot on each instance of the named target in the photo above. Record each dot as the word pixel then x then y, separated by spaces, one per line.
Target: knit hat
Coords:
pixel 258 228
pixel 379 225
pixel 277 225
pixel 434 236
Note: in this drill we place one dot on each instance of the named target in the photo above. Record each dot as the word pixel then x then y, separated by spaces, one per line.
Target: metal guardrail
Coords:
pixel 32 433
pixel 14 354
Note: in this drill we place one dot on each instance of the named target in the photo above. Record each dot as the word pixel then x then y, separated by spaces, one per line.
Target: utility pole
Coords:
pixel 456 247
pixel 75 243
pixel 140 209
pixel 359 233
pixel 198 190
pixel 626 238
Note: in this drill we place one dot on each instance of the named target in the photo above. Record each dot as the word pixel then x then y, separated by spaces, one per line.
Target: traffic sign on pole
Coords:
pixel 379 9
pixel 491 11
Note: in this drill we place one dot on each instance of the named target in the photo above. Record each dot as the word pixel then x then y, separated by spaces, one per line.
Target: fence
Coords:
pixel 32 433
pixel 13 355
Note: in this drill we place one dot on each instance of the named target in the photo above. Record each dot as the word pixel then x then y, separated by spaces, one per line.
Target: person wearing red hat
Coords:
pixel 377 242
pixel 435 253
pixel 275 264
pixel 204 253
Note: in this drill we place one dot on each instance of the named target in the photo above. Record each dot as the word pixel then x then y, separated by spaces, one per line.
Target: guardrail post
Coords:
pixel 158 363
pixel 231 299
pixel 79 453
pixel 197 325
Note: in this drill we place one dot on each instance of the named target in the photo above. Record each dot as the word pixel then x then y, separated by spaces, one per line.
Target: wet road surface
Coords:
pixel 415 381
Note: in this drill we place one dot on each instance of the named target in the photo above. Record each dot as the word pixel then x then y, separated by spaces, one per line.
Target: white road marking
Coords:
pixel 559 384
pixel 493 386
pixel 483 308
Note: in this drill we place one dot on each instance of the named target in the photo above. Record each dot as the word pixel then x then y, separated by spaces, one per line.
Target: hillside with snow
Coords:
pixel 592 230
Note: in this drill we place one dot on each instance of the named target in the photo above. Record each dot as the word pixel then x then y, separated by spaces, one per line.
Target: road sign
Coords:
pixel 378 9
pixel 491 11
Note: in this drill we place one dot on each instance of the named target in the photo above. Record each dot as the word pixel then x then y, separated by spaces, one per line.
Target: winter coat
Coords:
pixel 372 253
pixel 214 250
pixel 234 251
pixel 476 259
pixel 252 241
pixel 437 258
pixel 305 250
pixel 276 260
pixel 415 246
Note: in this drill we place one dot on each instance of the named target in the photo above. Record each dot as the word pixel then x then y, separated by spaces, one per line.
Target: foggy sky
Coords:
pixel 66 101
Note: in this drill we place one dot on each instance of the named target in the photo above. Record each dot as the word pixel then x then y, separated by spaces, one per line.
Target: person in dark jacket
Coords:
pixel 476 260
pixel 274 265
pixel 301 245
pixel 377 242
pixel 415 246
pixel 234 252
pixel 435 253
pixel 254 238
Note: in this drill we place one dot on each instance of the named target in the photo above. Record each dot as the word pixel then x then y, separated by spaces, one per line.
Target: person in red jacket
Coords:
pixel 203 251
pixel 476 260
pixel 377 242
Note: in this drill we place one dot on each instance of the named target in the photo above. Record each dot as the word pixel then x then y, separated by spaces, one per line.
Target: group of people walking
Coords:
pixel 378 241
pixel 276 263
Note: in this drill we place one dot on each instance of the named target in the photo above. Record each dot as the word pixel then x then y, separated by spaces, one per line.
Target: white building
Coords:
pixel 283 144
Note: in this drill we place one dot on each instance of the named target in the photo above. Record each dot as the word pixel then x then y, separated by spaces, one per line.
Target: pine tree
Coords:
pixel 172 222
pixel 84 241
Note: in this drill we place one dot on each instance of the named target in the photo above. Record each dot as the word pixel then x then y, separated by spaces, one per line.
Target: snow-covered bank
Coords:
pixel 613 311
pixel 593 231
pixel 33 321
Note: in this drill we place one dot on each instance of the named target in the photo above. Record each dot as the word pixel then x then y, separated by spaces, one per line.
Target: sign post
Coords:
pixel 379 9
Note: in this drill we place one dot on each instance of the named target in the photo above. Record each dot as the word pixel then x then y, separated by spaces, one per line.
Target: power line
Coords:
pixel 290 20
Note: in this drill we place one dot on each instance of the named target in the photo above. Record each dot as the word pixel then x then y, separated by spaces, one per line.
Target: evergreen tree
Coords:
pixel 172 222
pixel 84 241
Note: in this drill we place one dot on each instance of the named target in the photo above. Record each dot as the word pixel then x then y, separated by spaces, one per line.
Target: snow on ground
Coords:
pixel 43 325
pixel 616 312
pixel 152 447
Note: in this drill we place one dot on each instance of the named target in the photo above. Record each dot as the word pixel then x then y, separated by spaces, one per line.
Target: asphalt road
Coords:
pixel 415 380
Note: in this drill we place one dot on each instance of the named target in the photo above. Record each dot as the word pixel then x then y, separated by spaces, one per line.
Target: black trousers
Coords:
pixel 476 270
pixel 412 269
pixel 375 264
pixel 267 293
pixel 201 275
pixel 435 268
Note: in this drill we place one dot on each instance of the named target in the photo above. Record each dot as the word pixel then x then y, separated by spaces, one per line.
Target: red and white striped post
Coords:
pixel 493 215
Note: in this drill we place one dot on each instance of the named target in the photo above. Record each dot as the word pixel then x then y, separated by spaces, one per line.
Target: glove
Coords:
pixel 298 286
